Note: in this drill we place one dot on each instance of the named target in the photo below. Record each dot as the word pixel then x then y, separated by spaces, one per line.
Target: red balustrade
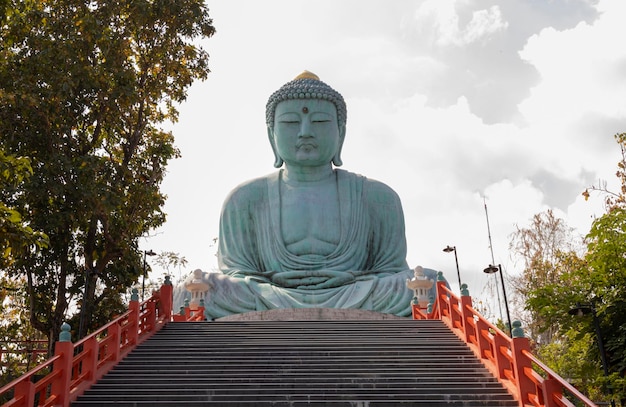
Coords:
pixel 508 359
pixel 188 314
pixel 75 367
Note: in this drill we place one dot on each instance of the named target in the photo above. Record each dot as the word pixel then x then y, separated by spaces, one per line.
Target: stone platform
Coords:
pixel 310 314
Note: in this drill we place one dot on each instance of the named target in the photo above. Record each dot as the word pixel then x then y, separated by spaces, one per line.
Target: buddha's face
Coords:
pixel 306 132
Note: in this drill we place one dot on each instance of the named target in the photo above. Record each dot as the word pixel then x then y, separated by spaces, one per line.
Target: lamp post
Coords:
pixel 143 281
pixel 493 269
pixel 584 309
pixel 449 249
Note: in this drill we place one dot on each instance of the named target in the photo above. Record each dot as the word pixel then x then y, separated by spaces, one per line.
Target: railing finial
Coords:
pixel 517 331
pixel 65 335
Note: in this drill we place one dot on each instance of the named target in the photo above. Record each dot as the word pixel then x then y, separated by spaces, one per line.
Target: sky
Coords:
pixel 470 110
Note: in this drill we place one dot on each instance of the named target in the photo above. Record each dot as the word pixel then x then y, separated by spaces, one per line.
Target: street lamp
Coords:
pixel 493 269
pixel 585 309
pixel 449 249
pixel 143 281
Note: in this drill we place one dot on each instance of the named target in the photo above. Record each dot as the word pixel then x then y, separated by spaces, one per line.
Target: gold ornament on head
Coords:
pixel 307 75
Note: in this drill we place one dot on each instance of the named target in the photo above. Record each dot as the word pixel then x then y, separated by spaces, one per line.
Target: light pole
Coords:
pixel 493 269
pixel 143 281
pixel 449 249
pixel 584 309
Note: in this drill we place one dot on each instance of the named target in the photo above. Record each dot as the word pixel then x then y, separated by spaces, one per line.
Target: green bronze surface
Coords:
pixel 310 234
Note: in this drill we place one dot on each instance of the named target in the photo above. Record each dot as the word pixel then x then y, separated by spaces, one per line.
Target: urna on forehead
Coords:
pixel 307 85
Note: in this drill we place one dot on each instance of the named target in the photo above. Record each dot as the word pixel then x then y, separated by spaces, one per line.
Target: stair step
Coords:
pixel 199 381
pixel 298 363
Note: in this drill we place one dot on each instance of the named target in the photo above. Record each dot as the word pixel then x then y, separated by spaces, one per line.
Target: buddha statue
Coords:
pixel 310 234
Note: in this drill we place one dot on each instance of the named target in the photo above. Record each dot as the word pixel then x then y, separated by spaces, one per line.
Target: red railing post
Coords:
pixel 502 363
pixel 115 331
pixel 549 388
pixel 25 389
pixel 455 313
pixel 134 322
pixel 521 363
pixel 442 305
pixel 187 310
pixel 466 314
pixel 167 299
pixel 482 332
pixel 150 321
pixel 90 363
pixel 64 348
pixel 199 313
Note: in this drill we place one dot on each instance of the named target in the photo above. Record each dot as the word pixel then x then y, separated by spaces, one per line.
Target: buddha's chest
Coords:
pixel 310 219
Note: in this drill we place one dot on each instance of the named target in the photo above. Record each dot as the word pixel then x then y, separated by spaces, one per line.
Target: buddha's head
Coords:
pixel 306 97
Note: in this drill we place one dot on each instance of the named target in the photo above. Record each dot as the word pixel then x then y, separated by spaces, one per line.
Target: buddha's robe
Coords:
pixel 251 252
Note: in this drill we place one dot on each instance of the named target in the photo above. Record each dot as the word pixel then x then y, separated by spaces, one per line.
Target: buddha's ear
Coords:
pixel 342 136
pixel 278 162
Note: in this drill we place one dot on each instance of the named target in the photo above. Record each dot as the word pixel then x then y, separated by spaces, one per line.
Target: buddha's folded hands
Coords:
pixel 312 279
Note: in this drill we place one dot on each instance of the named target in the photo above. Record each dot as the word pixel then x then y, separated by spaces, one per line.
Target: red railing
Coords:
pixel 188 314
pixel 75 367
pixel 508 359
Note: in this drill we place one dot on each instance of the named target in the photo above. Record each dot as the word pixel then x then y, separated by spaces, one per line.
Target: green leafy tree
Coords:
pixel 597 281
pixel 16 236
pixel 605 282
pixel 85 87
pixel 21 345
pixel 548 250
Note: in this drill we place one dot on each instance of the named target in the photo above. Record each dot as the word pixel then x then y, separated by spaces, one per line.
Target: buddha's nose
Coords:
pixel 305 129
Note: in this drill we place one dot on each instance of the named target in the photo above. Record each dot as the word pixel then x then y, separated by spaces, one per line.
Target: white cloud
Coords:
pixel 443 23
pixel 432 111
pixel 484 23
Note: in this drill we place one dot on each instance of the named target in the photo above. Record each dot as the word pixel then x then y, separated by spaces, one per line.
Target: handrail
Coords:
pixel 559 399
pixel 75 367
pixel 25 388
pixel 508 359
pixel 189 314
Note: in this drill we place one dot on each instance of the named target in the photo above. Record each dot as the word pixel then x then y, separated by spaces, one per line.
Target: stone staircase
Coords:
pixel 296 363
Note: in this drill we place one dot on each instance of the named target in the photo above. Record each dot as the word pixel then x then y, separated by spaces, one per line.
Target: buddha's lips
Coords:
pixel 306 144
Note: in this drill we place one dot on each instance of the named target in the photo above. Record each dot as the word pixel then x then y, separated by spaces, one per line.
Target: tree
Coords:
pixel 598 280
pixel 613 199
pixel 606 279
pixel 21 347
pixel 171 259
pixel 606 282
pixel 548 250
pixel 16 236
pixel 85 87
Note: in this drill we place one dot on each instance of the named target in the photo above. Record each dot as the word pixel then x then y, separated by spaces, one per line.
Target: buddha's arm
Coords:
pixel 387 254
pixel 238 254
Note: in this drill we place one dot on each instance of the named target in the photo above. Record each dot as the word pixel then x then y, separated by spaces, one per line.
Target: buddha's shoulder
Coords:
pixel 250 191
pixel 376 191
